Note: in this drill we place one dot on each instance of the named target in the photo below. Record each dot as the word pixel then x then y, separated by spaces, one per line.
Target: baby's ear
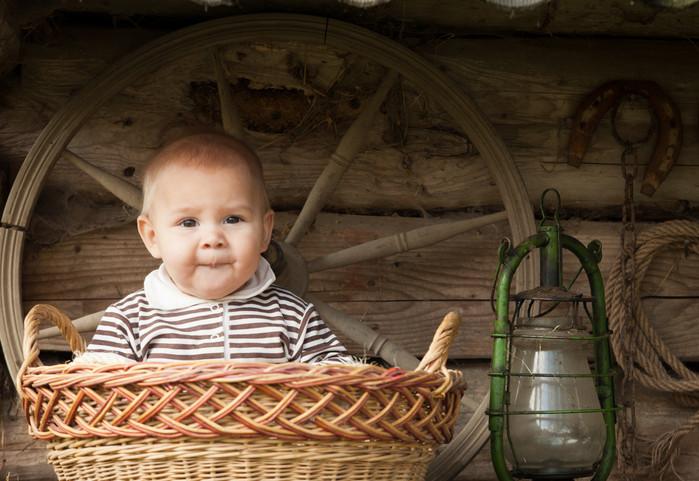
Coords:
pixel 148 235
pixel 268 226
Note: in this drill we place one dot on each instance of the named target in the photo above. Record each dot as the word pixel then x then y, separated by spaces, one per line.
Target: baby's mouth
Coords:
pixel 214 263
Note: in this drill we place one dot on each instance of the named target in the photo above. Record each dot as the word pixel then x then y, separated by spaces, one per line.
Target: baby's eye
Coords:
pixel 188 223
pixel 231 219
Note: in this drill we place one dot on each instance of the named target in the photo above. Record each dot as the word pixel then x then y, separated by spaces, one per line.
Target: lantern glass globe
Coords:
pixel 545 444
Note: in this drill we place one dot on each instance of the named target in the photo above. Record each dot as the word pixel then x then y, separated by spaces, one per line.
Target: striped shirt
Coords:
pixel 274 325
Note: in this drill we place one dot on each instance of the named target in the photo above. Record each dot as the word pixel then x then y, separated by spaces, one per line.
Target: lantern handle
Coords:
pixel 504 250
pixel 496 423
pixel 589 258
pixel 556 207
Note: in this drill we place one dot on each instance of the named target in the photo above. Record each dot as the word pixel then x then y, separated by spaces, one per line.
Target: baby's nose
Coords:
pixel 213 244
pixel 213 238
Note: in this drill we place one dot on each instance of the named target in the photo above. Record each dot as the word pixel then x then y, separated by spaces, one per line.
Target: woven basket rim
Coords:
pixel 51 398
pixel 158 373
pixel 212 398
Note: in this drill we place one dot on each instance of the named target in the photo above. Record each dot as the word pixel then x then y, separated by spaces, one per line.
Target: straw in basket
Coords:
pixel 227 420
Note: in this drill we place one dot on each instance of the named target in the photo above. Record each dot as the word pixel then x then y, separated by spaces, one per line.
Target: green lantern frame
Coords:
pixel 551 242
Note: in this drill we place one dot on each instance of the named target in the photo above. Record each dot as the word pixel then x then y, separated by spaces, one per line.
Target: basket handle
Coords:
pixel 30 344
pixel 436 358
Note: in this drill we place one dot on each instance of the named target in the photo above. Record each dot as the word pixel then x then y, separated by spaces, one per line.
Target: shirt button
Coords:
pixel 214 337
pixel 215 307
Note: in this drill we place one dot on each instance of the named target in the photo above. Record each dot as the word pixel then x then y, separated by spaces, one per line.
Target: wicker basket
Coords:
pixel 224 420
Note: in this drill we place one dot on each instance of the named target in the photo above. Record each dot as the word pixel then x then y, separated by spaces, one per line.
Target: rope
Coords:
pixel 654 365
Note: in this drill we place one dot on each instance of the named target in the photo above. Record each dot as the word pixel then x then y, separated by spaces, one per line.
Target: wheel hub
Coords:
pixel 289 266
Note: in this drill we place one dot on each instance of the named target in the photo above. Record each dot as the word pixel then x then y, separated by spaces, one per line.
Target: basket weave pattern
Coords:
pixel 214 398
pixel 214 417
pixel 226 460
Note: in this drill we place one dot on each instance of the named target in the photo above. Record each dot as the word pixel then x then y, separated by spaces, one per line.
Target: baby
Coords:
pixel 207 216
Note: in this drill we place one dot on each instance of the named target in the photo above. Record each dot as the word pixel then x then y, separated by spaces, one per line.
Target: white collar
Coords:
pixel 162 293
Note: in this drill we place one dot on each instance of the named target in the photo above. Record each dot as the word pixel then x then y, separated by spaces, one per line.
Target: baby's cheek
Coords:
pixel 181 257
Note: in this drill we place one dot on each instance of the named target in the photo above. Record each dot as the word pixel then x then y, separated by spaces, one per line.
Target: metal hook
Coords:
pixel 504 249
pixel 629 143
pixel 595 248
pixel 556 208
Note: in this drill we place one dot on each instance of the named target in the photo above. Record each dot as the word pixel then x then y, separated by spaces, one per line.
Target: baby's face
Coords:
pixel 209 227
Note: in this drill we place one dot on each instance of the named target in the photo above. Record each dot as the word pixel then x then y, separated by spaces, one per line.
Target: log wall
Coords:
pixel 84 252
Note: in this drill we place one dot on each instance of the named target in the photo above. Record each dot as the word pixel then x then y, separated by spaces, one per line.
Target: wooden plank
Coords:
pixel 607 17
pixel 562 67
pixel 93 266
pixel 411 324
pixel 404 296
pixel 24 459
pixel 528 88
pixel 535 82
pixel 112 263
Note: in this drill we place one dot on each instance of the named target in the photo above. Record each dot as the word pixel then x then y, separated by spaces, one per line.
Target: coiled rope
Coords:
pixel 655 366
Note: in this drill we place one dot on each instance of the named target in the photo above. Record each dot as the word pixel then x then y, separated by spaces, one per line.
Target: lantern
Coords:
pixel 552 411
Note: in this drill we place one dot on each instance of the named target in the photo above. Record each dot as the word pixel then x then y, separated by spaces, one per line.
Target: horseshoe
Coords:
pixel 668 144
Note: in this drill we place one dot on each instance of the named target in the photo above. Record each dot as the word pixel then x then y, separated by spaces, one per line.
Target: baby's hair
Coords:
pixel 209 150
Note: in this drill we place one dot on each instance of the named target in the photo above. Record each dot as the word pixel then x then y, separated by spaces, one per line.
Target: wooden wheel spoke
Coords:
pixel 232 123
pixel 82 324
pixel 340 160
pixel 125 191
pixel 372 341
pixel 401 242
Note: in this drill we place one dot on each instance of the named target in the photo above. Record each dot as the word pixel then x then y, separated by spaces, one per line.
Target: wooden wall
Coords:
pixel 84 252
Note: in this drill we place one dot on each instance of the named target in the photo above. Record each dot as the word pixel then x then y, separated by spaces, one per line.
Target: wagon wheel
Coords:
pixel 208 37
